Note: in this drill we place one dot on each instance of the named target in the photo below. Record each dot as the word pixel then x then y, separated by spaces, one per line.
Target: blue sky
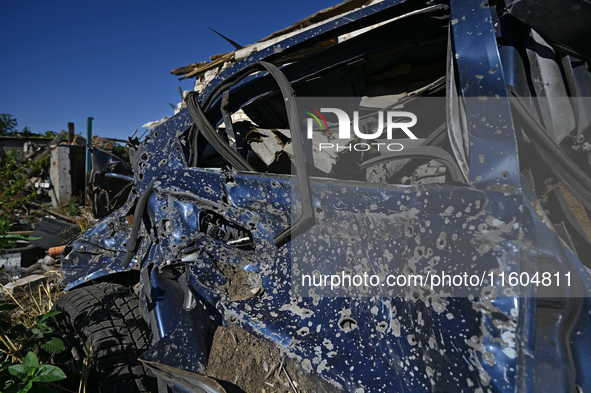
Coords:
pixel 63 61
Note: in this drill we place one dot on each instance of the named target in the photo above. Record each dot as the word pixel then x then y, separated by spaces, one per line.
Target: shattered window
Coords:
pixel 369 74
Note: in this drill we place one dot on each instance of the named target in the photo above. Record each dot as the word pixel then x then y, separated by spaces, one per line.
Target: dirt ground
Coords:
pixel 578 210
pixel 243 363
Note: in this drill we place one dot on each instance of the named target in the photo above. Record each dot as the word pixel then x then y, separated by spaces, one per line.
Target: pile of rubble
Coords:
pixel 42 214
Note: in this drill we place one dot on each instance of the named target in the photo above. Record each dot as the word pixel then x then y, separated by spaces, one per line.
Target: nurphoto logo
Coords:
pixel 388 121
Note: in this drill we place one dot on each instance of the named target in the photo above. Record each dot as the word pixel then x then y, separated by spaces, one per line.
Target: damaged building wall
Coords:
pixel 67 173
pixel 13 142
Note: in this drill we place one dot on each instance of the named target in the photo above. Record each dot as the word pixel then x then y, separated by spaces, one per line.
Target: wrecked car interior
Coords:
pixel 225 219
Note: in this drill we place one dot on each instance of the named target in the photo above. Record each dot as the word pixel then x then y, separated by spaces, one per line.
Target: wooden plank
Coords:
pixel 186 69
pixel 215 57
pixel 209 66
pixel 66 218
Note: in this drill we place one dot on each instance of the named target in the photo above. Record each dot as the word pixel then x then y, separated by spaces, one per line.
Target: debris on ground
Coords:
pixel 53 233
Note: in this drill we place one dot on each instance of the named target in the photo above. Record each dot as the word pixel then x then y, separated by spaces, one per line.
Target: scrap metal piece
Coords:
pixel 111 180
pixel 52 233
pixel 493 144
pixel 556 110
pixel 457 127
pixel 185 381
pixel 234 44
pixel 565 170
pixel 564 22
pixel 228 120
pixel 429 152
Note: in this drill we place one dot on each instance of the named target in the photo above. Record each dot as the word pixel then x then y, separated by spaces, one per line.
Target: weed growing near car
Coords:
pixel 13 193
pixel 28 343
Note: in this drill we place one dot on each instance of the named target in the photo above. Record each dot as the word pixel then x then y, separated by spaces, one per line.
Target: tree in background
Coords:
pixel 8 124
pixel 8 127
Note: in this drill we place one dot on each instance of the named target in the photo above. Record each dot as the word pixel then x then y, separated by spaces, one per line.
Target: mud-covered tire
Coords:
pixel 105 322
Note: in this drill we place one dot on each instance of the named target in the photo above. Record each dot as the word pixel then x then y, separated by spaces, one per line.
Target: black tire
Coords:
pixel 104 321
